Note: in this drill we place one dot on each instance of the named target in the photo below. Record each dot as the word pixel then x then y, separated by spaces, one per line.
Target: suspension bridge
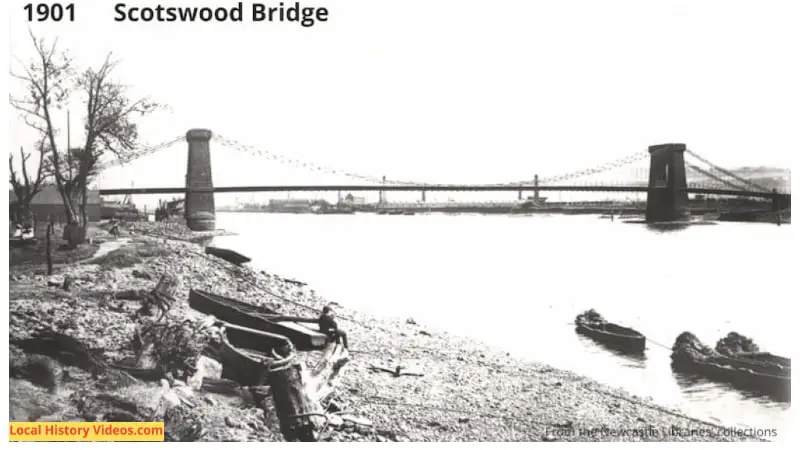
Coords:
pixel 665 181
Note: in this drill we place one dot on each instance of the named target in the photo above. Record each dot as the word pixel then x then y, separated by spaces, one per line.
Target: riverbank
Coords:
pixel 467 392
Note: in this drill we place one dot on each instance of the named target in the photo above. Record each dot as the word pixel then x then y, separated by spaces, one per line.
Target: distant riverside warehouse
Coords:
pixel 48 203
pixel 289 205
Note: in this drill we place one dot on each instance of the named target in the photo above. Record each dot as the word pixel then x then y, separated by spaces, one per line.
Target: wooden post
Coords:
pixel 49 248
pixel 299 394
pixel 293 404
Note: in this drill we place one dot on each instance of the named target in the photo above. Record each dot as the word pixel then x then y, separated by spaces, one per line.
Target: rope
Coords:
pixel 658 344
pixel 136 154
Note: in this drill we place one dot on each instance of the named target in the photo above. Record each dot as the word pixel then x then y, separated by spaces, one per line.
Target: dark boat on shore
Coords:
pixel 228 255
pixel 248 353
pixel 591 324
pixel 762 374
pixel 257 318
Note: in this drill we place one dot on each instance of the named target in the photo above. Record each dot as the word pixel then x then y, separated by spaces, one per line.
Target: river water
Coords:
pixel 517 282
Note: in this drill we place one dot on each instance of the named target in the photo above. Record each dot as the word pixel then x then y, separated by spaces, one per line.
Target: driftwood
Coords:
pixel 71 352
pixel 162 296
pixel 299 393
pixel 398 371
pixel 64 349
pixel 131 294
pixel 223 387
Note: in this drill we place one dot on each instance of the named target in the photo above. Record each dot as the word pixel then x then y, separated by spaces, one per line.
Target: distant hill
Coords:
pixel 769 177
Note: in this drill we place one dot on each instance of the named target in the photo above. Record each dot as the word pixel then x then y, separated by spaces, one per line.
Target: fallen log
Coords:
pixel 144 374
pixel 64 349
pixel 221 386
pixel 131 294
pixel 71 352
pixel 299 393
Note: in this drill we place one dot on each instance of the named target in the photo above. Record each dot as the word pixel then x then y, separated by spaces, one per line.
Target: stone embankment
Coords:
pixel 464 390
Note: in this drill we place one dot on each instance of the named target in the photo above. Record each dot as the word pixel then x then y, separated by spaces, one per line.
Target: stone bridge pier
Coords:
pixel 667 199
pixel 199 208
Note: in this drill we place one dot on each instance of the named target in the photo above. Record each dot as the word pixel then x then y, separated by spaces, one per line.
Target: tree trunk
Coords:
pixel 299 394
pixel 84 195
pixel 74 234
pixel 293 403
pixel 24 212
pixel 49 245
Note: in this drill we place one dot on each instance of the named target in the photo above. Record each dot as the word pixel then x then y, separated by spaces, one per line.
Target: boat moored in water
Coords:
pixel 738 346
pixel 591 324
pixel 760 374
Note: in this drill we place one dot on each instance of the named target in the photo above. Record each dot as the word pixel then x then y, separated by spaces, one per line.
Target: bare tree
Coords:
pixel 109 125
pixel 26 187
pixel 47 81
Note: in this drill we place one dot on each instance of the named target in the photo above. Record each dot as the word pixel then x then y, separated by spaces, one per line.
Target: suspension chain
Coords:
pixel 236 145
pixel 621 162
pixel 138 153
pixel 708 174
pixel 728 173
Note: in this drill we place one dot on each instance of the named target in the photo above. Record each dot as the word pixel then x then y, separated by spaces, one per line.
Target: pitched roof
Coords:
pixel 50 196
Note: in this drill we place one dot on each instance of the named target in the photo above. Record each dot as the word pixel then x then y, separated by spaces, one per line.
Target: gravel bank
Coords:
pixel 468 392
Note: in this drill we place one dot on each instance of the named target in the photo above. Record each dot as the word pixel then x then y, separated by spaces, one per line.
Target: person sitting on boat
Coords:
pixel 328 325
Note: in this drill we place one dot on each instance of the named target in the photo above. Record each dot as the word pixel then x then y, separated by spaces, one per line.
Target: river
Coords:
pixel 517 282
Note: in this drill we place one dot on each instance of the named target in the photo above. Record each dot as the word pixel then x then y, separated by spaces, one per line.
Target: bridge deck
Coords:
pixel 437 187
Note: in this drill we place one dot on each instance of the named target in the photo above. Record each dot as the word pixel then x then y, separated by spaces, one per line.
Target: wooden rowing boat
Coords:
pixel 591 324
pixel 228 255
pixel 247 353
pixel 765 376
pixel 741 347
pixel 258 318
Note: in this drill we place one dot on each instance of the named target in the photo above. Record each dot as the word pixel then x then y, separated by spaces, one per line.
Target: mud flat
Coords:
pixel 466 391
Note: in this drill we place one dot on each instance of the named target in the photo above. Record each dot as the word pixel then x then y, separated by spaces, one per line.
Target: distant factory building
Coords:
pixel 289 205
pixel 351 200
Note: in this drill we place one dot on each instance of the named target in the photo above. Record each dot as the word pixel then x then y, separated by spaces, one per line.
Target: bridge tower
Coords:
pixel 670 201
pixel 199 205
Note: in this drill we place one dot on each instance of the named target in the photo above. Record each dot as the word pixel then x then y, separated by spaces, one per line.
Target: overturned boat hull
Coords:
pixel 228 255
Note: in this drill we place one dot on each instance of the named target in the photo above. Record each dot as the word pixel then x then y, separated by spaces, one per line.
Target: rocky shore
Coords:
pixel 466 391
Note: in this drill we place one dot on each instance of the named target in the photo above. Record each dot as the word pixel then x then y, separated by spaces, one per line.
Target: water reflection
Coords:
pixel 620 357
pixel 667 227
pixel 692 383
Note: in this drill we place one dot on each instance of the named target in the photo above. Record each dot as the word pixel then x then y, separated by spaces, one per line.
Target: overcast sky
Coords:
pixel 447 90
